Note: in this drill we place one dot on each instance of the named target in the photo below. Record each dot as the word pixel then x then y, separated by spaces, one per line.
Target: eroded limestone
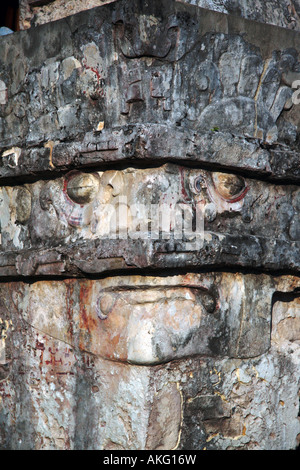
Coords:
pixel 121 333
pixel 71 358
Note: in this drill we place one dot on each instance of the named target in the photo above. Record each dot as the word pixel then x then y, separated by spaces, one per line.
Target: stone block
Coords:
pixel 208 217
pixel 149 227
pixel 147 76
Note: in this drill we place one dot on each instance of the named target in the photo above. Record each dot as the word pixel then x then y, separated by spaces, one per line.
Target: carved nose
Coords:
pixel 114 180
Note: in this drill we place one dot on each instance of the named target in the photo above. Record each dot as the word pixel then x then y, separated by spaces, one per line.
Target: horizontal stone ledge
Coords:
pixel 152 143
pixel 109 256
pixel 128 319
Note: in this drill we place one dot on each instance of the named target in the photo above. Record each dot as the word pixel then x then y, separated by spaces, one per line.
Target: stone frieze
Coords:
pixel 166 216
pixel 151 81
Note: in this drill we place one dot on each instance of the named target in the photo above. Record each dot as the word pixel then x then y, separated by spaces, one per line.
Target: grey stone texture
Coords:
pixel 76 82
pixel 119 330
pixel 166 369
pixel 283 13
pixel 67 225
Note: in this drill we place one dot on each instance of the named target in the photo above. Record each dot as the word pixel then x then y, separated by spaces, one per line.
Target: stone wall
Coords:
pixel 283 13
pixel 137 362
pixel 149 214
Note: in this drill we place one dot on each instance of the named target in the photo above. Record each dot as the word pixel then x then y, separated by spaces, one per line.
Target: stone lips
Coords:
pixel 151 320
pixel 216 400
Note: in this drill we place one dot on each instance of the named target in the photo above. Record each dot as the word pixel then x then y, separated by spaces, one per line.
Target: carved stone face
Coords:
pixel 101 205
pixel 219 333
pixel 152 320
pixel 149 221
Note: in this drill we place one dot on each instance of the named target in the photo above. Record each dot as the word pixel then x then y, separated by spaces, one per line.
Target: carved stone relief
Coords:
pixel 150 237
pixel 87 338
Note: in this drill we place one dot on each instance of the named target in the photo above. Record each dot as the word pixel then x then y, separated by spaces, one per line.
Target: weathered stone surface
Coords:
pixel 62 338
pixel 205 218
pixel 113 93
pixel 153 320
pixel 37 12
pixel 156 144
pixel 277 12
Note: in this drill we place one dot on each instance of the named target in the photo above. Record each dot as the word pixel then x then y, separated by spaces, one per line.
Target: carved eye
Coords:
pixel 82 187
pixel 198 184
pixel 232 188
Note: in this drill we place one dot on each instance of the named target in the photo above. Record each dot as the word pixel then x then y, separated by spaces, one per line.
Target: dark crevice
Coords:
pixel 9 14
pixel 139 164
pixel 159 272
pixel 285 296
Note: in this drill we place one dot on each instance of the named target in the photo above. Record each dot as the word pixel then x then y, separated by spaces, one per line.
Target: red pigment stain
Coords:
pixel 99 89
pixel 183 190
pixel 240 197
